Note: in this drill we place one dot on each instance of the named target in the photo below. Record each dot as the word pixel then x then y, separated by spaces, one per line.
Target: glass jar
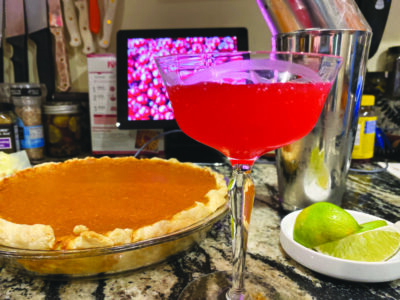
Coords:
pixel 364 143
pixel 62 129
pixel 27 101
pixel 9 137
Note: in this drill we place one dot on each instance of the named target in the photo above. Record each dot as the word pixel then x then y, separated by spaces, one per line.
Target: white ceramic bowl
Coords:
pixel 336 267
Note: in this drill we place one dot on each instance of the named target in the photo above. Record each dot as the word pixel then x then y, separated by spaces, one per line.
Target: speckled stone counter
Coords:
pixel 278 274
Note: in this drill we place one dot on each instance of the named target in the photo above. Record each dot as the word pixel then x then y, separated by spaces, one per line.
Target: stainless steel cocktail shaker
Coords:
pixel 315 168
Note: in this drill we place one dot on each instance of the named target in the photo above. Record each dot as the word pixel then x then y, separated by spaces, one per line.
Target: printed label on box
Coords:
pixel 106 137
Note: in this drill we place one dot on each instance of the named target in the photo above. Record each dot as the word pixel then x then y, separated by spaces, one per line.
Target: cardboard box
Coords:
pixel 106 138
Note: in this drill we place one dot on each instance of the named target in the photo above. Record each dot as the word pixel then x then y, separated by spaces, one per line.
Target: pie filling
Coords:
pixel 107 194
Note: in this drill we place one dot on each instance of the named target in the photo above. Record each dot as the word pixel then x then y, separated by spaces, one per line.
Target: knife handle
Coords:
pixel 44 59
pixel 62 66
pixel 88 44
pixel 72 23
pixel 108 23
pixel 19 58
pixel 94 16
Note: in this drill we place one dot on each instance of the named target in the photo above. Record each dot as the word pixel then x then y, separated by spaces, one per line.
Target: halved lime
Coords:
pixel 323 222
pixel 370 246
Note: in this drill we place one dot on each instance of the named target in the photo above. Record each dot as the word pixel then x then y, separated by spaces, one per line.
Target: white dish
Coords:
pixel 336 267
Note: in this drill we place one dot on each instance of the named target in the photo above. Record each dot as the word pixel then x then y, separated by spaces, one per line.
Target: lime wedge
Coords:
pixel 372 225
pixel 370 246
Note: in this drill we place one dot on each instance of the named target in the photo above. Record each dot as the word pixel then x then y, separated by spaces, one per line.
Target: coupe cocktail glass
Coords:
pixel 245 104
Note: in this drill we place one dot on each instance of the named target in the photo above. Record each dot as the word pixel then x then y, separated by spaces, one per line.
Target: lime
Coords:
pixel 323 222
pixel 372 246
pixel 372 225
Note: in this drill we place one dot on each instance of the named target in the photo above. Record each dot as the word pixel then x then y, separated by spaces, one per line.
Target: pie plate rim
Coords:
pixel 14 258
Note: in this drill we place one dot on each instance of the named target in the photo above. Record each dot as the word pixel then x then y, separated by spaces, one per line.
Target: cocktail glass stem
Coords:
pixel 241 193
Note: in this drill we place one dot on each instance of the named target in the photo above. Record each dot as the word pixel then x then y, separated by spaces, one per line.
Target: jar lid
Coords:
pixel 27 101
pixel 27 90
pixel 61 108
pixel 367 100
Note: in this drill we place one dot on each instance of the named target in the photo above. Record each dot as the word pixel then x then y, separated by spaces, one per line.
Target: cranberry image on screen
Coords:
pixel 147 96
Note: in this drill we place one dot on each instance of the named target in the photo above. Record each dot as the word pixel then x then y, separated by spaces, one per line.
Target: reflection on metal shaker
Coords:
pixel 315 168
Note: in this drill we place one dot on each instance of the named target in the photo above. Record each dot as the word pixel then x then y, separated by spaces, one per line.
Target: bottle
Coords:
pixel 9 138
pixel 365 137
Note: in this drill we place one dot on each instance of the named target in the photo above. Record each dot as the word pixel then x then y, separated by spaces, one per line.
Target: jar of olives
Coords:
pixel 62 122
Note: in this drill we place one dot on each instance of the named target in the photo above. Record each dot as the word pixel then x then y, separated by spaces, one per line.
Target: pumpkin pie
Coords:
pixel 97 202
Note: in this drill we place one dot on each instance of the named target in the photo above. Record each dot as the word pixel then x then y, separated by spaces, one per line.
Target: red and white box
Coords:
pixel 106 137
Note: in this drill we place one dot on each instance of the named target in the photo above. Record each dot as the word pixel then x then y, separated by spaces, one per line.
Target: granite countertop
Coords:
pixel 279 275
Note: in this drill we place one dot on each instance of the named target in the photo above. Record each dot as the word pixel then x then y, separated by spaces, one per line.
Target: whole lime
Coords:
pixel 323 222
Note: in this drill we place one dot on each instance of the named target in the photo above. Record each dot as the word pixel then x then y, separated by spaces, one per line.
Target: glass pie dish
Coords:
pixel 104 261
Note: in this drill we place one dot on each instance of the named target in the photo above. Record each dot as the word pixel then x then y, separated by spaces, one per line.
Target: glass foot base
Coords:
pixel 216 285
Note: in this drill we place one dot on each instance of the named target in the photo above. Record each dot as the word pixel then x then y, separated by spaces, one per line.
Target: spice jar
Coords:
pixel 62 122
pixel 9 141
pixel 27 100
pixel 9 138
pixel 365 136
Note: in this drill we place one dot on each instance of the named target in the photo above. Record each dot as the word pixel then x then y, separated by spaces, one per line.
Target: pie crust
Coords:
pixel 97 202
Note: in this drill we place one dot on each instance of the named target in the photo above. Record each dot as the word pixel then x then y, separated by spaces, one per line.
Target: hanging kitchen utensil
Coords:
pixel 88 44
pixel 108 22
pixel 72 23
pixel 94 16
pixel 61 58
pixel 15 36
pixel 39 33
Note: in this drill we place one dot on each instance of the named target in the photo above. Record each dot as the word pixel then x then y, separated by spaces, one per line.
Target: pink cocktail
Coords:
pixel 219 116
pixel 245 104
